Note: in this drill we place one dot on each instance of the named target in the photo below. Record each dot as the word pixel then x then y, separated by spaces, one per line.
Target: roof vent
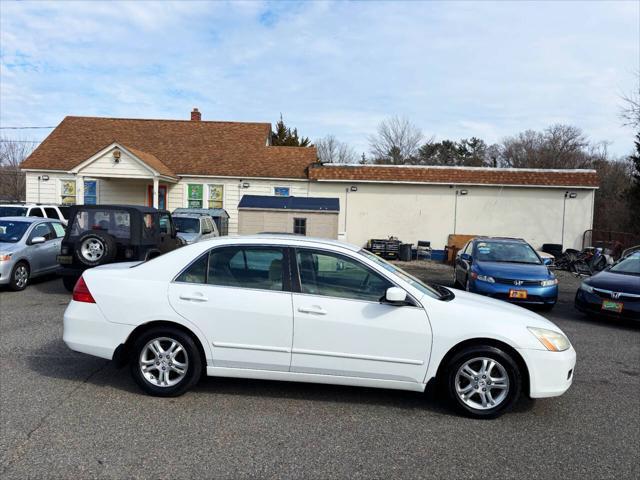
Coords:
pixel 196 116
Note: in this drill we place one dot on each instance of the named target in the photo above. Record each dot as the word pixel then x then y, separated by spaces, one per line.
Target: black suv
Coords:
pixel 100 234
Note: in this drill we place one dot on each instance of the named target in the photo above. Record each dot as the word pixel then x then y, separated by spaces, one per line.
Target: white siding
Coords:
pixel 123 191
pixel 106 166
pixel 45 192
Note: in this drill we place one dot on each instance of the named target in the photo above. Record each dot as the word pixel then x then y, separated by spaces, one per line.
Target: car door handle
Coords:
pixel 313 310
pixel 195 297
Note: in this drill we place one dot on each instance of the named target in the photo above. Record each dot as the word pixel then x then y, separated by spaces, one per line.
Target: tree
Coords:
pixel 396 142
pixel 633 193
pixel 471 152
pixel 331 150
pixel 630 111
pixel 285 137
pixel 12 180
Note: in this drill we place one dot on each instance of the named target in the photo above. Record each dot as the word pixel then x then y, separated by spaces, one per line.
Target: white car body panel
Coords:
pixel 263 334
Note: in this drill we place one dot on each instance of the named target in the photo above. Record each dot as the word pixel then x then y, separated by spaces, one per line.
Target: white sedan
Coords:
pixel 310 310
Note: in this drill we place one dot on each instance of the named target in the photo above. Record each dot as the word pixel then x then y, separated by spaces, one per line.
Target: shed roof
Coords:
pixel 290 203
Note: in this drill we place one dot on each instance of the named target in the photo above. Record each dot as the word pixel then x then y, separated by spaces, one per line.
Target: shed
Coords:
pixel 317 217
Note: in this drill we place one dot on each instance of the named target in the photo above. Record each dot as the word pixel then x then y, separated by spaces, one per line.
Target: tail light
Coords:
pixel 81 292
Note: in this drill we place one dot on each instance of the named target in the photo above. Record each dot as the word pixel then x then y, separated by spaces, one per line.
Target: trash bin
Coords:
pixel 405 252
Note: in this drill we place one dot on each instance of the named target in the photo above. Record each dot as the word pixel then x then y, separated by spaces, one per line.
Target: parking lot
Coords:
pixel 67 415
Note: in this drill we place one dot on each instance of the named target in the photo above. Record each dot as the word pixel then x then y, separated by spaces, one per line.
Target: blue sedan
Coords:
pixel 507 269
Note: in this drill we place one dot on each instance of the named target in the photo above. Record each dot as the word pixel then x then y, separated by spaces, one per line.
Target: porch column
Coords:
pixel 156 192
pixel 79 190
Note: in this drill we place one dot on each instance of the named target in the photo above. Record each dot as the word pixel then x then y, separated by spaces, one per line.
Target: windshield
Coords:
pixel 413 281
pixel 13 211
pixel 508 252
pixel 187 225
pixel 629 265
pixel 12 232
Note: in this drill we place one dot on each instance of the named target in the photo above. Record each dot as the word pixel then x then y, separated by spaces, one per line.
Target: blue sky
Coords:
pixel 455 69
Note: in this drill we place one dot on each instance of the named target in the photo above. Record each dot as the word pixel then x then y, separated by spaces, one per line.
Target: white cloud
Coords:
pixel 456 69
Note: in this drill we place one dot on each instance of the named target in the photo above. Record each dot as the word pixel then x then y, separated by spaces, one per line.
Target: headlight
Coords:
pixel 549 283
pixel 482 278
pixel 586 287
pixel 5 257
pixel 553 341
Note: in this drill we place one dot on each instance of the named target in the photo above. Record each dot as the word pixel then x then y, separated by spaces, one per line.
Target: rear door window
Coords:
pixel 247 267
pixel 42 230
pixel 51 213
pixel 36 212
pixel 58 229
pixel 114 222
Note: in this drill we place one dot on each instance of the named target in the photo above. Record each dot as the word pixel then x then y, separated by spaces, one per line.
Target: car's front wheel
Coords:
pixel 19 276
pixel 165 362
pixel 483 381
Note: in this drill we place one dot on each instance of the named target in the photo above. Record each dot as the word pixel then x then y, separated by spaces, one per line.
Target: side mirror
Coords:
pixel 466 257
pixel 547 261
pixel 395 295
pixel 37 240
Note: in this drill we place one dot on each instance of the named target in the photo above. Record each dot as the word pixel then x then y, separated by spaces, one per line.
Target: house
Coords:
pixel 315 217
pixel 207 164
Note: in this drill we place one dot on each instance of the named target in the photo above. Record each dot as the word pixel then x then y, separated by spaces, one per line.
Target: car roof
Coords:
pixel 190 215
pixel 500 239
pixel 29 219
pixel 283 238
pixel 27 204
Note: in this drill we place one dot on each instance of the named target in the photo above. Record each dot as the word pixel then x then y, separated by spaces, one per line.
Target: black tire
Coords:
pixel 69 282
pixel 17 281
pixel 106 242
pixel 504 361
pixel 166 335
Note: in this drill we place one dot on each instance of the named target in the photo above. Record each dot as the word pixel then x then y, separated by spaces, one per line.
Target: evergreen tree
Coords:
pixel 285 137
pixel 633 194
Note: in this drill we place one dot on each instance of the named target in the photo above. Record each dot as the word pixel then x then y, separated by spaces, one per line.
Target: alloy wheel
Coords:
pixel 163 362
pixel 21 276
pixel 92 249
pixel 482 383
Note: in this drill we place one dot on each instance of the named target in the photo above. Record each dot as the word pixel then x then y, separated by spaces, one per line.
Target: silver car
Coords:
pixel 28 248
pixel 195 227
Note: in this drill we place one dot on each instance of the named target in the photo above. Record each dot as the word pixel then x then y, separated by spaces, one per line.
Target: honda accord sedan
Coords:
pixel 310 310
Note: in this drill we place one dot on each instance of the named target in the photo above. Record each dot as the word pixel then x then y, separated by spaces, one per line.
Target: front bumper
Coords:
pixel 5 271
pixel 535 295
pixel 86 330
pixel 550 373
pixel 591 303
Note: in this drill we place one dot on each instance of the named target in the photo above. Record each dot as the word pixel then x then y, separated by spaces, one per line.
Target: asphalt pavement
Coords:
pixel 68 415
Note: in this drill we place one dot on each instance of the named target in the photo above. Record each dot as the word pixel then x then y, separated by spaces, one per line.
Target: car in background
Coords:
pixel 506 269
pixel 35 210
pixel 219 215
pixel 28 248
pixel 311 310
pixel 101 234
pixel 194 227
pixel 614 292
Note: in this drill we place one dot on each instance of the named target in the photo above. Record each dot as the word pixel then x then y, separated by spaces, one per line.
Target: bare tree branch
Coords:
pixel 396 142
pixel 331 150
pixel 12 180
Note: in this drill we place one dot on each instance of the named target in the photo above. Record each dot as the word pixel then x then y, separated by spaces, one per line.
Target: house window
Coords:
pixel 216 193
pixel 194 195
pixel 90 192
pixel 300 226
pixel 281 191
pixel 68 192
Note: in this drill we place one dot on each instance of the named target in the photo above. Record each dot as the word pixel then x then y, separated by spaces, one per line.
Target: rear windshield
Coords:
pixel 187 225
pixel 12 232
pixel 114 222
pixel 13 211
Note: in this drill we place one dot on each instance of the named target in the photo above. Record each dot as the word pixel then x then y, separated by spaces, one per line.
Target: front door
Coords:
pixel 238 296
pixel 342 328
pixel 43 256
pixel 162 196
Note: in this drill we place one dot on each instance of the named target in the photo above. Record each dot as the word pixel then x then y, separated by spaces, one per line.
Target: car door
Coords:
pixel 42 256
pixel 167 238
pixel 341 326
pixel 240 297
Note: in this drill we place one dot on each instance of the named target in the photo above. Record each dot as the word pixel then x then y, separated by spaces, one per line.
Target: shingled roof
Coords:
pixel 178 147
pixel 455 175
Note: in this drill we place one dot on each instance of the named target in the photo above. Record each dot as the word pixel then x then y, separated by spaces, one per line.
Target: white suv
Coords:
pixel 34 210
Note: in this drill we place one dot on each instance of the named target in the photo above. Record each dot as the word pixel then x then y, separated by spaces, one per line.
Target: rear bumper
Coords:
pixel 500 291
pixel 550 373
pixel 86 330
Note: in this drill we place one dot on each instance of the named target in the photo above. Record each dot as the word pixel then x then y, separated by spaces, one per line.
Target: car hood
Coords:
pixel 188 237
pixel 617 282
pixel 8 247
pixel 520 271
pixel 479 306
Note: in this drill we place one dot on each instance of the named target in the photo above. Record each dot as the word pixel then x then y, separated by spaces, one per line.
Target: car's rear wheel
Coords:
pixel 19 276
pixel 69 282
pixel 483 381
pixel 165 362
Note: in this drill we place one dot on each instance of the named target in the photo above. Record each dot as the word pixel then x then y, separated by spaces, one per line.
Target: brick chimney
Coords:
pixel 196 116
